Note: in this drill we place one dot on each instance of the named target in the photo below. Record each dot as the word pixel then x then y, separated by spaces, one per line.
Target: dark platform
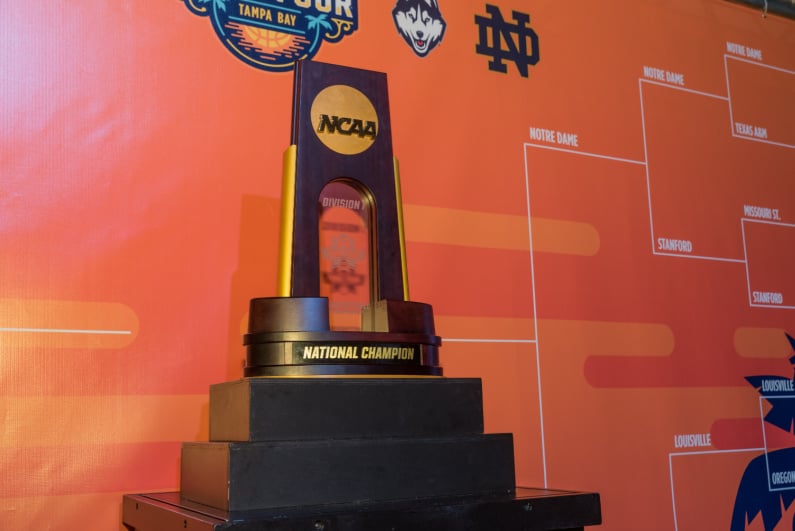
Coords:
pixel 525 510
pixel 259 475
pixel 281 409
pixel 300 442
pixel 353 454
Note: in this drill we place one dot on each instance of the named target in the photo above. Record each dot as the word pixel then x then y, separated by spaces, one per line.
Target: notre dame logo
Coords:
pixel 344 119
pixel 521 42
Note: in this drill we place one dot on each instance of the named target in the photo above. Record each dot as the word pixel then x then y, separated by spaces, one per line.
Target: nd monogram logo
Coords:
pixel 494 31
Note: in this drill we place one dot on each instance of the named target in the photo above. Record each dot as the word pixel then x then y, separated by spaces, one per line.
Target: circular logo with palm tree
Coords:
pixel 273 35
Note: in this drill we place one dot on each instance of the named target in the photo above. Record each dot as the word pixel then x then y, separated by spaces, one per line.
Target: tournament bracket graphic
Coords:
pixel 704 209
pixel 274 35
pixel 768 483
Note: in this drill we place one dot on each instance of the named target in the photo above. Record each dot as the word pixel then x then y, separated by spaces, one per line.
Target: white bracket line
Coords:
pixel 66 331
pixel 770 487
pixel 751 303
pixel 542 434
pixel 473 340
pixel 726 57
pixel 704 452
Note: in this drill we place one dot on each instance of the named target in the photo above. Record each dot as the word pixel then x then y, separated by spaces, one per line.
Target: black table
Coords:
pixel 526 509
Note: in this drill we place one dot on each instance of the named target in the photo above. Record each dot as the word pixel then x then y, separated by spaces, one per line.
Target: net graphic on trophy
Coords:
pixel 343 305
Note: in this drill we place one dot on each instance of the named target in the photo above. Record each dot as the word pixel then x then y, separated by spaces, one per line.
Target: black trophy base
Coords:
pixel 263 475
pixel 525 509
pixel 291 337
pixel 296 409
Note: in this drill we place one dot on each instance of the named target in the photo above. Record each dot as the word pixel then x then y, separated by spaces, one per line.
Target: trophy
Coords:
pixel 323 404
pixel 342 249
pixel 343 419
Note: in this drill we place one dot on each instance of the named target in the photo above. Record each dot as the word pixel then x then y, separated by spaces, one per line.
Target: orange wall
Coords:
pixel 602 284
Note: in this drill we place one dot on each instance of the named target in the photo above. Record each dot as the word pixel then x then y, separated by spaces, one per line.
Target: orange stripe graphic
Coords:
pixel 65 324
pixel 596 338
pixel 71 420
pixel 498 231
pixel 565 237
pixel 62 512
pixel 761 343
pixel 465 227
pixel 506 329
pixel 86 469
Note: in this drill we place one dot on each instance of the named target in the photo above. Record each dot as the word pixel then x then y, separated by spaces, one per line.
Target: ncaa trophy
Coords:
pixel 342 420
pixel 341 235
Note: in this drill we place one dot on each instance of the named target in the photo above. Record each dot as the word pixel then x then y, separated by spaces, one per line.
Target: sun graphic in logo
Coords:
pixel 264 46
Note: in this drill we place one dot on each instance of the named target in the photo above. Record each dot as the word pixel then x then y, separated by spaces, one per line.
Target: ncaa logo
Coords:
pixel 344 119
pixel 273 34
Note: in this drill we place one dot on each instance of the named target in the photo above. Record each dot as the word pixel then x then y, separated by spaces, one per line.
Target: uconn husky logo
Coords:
pixel 420 23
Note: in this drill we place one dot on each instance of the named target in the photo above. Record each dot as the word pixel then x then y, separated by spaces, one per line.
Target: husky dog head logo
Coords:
pixel 420 23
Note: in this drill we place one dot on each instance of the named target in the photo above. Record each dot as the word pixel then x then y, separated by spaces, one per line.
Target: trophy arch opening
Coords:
pixel 347 240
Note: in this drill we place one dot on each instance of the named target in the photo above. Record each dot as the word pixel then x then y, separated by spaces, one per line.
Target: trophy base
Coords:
pixel 291 337
pixel 303 442
pixel 246 476
pixel 341 371
pixel 296 409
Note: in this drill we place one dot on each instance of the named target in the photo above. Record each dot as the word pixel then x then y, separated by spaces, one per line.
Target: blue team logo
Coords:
pixel 768 483
pixel 272 35
pixel 420 23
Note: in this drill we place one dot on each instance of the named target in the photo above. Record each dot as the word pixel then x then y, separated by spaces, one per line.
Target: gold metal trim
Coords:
pixel 287 221
pixel 401 232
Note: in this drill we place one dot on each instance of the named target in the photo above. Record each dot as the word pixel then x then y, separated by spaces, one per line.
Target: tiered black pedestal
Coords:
pixel 353 454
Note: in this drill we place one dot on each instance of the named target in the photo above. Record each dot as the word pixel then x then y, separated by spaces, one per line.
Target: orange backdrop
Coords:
pixel 607 242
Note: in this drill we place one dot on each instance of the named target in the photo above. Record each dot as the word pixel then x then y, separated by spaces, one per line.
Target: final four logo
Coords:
pixel 272 35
